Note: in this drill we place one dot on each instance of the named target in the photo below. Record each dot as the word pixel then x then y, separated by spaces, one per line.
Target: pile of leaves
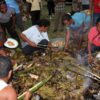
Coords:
pixel 67 84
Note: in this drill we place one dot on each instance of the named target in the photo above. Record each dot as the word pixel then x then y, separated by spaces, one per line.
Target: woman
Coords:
pixel 7 21
pixel 94 39
pixel 79 24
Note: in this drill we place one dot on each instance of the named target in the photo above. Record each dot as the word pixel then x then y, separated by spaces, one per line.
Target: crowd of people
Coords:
pixel 35 38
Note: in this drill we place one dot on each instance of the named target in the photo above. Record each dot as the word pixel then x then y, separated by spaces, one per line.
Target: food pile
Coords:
pixel 35 69
pixel 58 43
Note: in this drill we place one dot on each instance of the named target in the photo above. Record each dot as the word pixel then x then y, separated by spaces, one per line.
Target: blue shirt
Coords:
pixel 13 4
pixel 80 18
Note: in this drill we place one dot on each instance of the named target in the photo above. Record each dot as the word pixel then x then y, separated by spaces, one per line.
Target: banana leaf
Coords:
pixel 36 87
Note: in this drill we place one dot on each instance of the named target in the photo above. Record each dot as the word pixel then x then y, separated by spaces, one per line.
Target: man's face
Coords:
pixel 66 22
pixel 3 8
pixel 98 27
pixel 44 29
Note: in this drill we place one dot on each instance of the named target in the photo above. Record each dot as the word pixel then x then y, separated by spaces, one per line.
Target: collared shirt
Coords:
pixel 94 36
pixel 60 7
pixel 34 35
pixel 14 5
pixel 5 17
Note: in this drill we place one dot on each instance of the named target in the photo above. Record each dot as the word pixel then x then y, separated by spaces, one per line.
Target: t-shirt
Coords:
pixel 96 7
pixel 3 85
pixel 80 18
pixel 13 4
pixel 5 17
pixel 34 35
pixel 35 4
pixel 94 37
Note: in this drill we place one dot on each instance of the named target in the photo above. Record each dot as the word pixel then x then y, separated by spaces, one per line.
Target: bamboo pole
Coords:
pixel 36 87
pixel 86 72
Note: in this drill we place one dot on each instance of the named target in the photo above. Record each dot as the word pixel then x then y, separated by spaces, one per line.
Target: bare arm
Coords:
pixel 89 47
pixel 27 40
pixel 8 93
pixel 67 38
pixel 2 52
pixel 89 52
pixel 28 95
pixel 13 20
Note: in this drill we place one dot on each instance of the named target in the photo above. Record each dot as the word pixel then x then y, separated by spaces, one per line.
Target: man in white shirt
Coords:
pixel 35 38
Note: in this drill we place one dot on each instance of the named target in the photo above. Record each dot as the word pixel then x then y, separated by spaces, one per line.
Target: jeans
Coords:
pixel 35 17
pixel 28 50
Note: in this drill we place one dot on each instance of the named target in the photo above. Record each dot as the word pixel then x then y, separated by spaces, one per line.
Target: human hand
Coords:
pixel 3 53
pixel 66 48
pixel 28 95
pixel 34 45
pixel 49 45
pixel 90 58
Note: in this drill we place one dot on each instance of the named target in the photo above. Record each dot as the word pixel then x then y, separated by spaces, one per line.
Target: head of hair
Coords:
pixel 5 66
pixel 43 22
pixel 98 21
pixel 2 2
pixel 66 17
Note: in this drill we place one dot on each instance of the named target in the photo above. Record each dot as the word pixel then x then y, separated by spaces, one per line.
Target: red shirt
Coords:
pixel 96 6
pixel 94 36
